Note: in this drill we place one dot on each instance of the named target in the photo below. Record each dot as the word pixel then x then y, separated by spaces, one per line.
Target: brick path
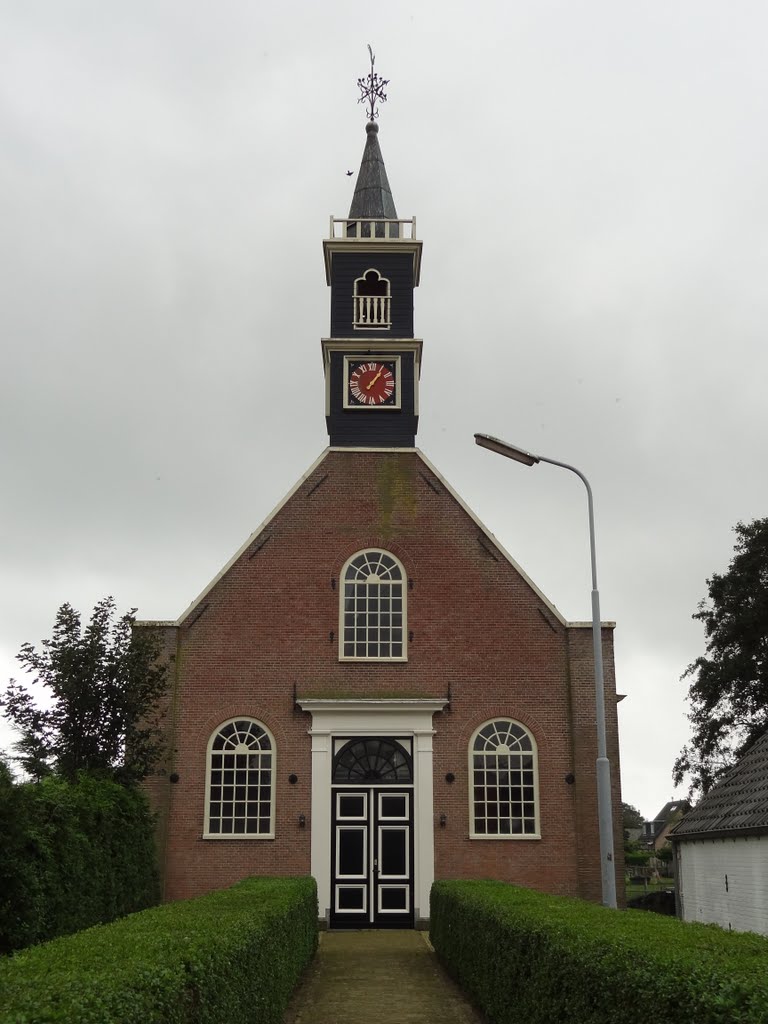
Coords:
pixel 391 977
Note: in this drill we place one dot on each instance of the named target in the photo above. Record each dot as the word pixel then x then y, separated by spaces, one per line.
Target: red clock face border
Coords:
pixel 372 382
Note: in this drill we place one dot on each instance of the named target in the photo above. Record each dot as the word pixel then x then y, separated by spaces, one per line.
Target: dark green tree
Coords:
pixel 631 817
pixel 102 711
pixel 729 684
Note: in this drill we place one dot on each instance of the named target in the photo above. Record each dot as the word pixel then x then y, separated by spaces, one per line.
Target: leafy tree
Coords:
pixel 631 817
pixel 729 688
pixel 102 712
pixel 664 853
pixel 637 857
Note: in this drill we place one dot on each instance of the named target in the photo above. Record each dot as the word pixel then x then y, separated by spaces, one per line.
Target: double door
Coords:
pixel 372 857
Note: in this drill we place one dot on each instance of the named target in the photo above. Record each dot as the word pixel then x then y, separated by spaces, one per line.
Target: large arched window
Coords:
pixel 240 781
pixel 503 776
pixel 373 623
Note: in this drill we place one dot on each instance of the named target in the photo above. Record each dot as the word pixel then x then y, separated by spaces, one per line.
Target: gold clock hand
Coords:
pixel 369 386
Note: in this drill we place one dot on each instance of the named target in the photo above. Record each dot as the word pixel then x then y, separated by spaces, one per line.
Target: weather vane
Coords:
pixel 372 89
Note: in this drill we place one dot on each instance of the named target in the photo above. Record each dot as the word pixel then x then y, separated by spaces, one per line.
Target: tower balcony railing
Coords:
pixel 366 228
pixel 372 311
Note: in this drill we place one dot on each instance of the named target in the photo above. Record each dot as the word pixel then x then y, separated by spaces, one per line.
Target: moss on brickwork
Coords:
pixel 397 494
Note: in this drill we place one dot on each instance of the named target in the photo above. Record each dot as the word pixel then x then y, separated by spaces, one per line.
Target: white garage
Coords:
pixel 721 849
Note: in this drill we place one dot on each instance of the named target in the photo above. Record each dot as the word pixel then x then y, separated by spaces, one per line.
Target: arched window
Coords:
pixel 504 781
pixel 240 781
pixel 372 760
pixel 373 624
pixel 372 302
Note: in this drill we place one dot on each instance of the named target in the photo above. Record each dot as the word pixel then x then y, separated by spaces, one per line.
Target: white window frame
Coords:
pixel 270 834
pixel 471 752
pixel 342 599
pixel 382 325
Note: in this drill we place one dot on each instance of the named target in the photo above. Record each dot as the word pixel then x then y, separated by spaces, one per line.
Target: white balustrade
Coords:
pixel 366 228
pixel 372 311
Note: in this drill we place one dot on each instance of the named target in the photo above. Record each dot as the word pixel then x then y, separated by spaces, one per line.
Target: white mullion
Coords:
pixel 373 895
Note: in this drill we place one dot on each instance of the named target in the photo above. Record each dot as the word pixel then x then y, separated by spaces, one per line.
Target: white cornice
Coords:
pixel 354 705
pixel 373 245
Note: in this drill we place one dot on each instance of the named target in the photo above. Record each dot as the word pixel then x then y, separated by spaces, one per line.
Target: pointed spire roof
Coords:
pixel 373 196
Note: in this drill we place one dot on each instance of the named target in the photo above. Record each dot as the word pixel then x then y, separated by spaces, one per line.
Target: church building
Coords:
pixel 372 691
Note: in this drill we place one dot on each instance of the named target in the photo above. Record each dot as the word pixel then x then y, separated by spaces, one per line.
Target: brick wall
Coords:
pixel 479 631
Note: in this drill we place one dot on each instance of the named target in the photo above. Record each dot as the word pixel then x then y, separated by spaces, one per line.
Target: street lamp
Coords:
pixel 603 765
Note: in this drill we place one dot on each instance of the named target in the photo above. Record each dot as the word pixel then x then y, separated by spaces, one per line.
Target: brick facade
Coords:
pixel 266 632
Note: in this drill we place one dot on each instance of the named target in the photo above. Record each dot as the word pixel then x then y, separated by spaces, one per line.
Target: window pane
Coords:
pixel 503 805
pixel 240 791
pixel 369 608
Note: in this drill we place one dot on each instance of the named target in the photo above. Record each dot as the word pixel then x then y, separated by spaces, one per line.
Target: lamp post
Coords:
pixel 603 766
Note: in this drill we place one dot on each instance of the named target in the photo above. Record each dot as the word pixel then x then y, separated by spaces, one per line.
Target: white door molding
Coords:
pixel 373 717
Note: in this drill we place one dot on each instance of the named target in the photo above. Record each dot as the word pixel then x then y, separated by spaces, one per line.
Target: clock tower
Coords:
pixel 372 264
pixel 431 705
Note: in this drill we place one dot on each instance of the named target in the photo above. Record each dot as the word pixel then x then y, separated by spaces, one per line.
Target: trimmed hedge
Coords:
pixel 72 855
pixel 525 956
pixel 234 955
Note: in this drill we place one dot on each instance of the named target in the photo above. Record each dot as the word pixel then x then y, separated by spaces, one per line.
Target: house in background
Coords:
pixel 721 849
pixel 655 834
pixel 372 690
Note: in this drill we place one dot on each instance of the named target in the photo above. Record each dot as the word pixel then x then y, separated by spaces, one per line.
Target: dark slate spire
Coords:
pixel 373 196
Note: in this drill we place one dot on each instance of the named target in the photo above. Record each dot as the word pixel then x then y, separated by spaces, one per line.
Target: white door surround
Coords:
pixel 372 717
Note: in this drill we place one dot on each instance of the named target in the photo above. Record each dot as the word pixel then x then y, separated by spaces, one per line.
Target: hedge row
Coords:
pixel 234 955
pixel 524 956
pixel 71 856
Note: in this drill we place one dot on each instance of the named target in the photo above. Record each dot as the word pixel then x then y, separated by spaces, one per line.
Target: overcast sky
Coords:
pixel 589 181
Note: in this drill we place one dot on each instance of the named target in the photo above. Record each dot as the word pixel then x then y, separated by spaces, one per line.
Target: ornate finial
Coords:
pixel 372 89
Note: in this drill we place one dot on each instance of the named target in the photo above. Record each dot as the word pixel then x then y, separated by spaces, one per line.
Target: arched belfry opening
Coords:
pixel 372 302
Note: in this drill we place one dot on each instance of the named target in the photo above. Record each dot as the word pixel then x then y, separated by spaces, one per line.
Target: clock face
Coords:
pixel 372 384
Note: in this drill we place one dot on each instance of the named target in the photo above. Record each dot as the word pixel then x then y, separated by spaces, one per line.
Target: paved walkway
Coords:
pixel 392 977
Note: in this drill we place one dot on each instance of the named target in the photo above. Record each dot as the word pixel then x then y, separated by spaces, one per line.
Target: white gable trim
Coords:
pixel 417 451
pixel 480 525
pixel 244 547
